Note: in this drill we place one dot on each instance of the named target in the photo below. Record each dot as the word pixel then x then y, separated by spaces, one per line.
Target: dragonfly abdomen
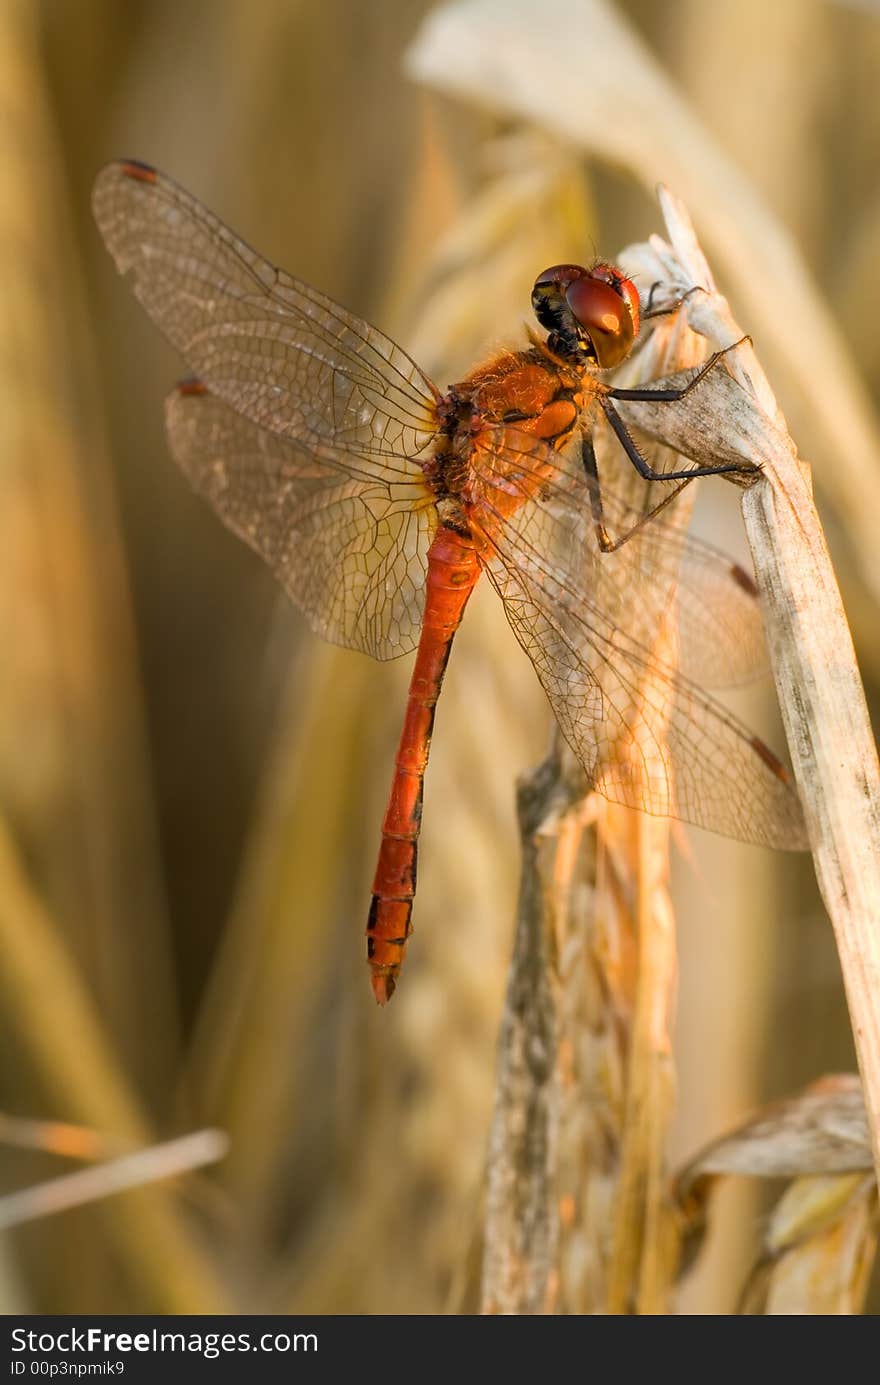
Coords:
pixel 453 570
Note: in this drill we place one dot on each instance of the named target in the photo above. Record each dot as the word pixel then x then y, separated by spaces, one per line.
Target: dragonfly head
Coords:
pixel 591 314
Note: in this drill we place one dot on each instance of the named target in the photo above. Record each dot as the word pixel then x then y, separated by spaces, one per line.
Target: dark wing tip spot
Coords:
pixel 773 764
pixel 743 579
pixel 140 172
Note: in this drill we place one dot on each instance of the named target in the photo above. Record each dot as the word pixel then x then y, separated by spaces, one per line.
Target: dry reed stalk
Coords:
pixel 817 680
pixel 73 775
pixel 521 1235
pixel 133 1170
pixel 576 1218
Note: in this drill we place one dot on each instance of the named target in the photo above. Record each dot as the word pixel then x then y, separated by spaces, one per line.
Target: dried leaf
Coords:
pixel 823 1130
pixel 819 1241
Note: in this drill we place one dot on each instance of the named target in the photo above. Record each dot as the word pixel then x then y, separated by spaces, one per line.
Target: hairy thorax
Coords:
pixel 501 426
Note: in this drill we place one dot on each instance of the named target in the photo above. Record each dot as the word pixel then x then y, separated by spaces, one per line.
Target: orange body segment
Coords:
pixel 453 570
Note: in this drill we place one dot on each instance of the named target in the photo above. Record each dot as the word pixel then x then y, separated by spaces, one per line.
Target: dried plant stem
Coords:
pixel 638 1266
pixel 577 1215
pixel 829 737
pixel 814 665
pixel 142 1166
pixel 66 1043
pixel 521 1215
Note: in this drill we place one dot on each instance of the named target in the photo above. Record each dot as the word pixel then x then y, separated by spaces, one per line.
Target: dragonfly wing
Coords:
pixel 716 604
pixel 721 640
pixel 719 618
pixel 351 556
pixel 601 632
pixel 273 348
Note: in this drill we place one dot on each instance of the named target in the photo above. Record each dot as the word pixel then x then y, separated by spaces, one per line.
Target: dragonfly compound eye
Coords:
pixel 606 306
pixel 592 312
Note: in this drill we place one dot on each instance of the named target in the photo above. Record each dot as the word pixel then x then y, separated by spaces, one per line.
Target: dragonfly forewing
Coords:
pixel 270 346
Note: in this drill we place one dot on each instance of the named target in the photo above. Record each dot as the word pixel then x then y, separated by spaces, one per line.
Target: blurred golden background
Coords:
pixel 192 785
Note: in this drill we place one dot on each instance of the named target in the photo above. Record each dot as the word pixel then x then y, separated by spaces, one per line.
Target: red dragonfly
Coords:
pixel 379 501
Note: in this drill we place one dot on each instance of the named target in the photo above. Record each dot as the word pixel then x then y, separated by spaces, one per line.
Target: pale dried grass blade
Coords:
pixel 577 1215
pixel 167 1160
pixel 822 1130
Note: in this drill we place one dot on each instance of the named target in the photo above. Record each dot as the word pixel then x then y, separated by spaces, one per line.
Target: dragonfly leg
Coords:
pixel 673 307
pixel 588 457
pixel 645 469
pixel 670 395
pixel 603 538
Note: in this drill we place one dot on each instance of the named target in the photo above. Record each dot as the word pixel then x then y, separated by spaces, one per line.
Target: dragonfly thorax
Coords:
pixel 517 396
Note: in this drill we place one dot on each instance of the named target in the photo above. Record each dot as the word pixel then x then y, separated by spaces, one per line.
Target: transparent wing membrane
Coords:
pixel 308 431
pixel 273 348
pixel 351 553
pixel 604 633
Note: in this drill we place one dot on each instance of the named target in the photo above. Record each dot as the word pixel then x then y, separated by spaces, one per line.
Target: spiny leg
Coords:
pixel 604 540
pixel 648 472
pixel 672 307
pixel 645 395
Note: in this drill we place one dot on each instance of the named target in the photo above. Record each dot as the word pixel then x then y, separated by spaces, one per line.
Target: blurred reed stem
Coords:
pixel 70 1050
pixel 73 771
pixel 829 735
pixel 641 1266
pixel 270 974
